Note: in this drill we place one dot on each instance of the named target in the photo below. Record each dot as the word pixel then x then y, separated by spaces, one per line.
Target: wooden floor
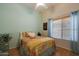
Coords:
pixel 58 52
pixel 14 52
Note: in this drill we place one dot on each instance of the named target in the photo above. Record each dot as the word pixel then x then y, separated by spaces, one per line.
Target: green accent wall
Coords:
pixel 15 18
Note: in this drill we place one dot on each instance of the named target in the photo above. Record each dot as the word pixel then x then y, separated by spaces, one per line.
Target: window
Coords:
pixel 56 29
pixel 66 28
pixel 61 28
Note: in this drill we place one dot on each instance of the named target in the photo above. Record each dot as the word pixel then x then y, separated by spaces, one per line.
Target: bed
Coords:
pixel 37 46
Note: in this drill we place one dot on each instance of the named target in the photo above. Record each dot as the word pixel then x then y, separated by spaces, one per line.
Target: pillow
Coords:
pixel 26 34
pixel 31 34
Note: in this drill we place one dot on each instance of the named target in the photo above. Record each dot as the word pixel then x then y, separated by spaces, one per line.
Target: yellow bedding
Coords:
pixel 38 45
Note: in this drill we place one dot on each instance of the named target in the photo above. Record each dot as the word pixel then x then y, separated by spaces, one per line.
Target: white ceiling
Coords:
pixel 54 10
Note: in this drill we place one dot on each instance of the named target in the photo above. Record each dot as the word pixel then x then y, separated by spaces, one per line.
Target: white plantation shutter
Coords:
pixel 66 26
pixel 56 29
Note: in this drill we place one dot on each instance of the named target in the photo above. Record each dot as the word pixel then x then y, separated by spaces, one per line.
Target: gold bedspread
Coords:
pixel 38 45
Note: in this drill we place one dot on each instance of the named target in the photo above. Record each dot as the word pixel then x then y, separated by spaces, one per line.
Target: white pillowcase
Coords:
pixel 31 34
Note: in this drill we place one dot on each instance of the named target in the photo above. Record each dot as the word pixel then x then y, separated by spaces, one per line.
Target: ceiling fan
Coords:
pixel 40 4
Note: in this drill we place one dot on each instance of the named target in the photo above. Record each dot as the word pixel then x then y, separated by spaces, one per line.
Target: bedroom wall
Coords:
pixel 44 32
pixel 15 18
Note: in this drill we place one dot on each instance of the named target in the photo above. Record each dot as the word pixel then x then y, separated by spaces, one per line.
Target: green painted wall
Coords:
pixel 15 18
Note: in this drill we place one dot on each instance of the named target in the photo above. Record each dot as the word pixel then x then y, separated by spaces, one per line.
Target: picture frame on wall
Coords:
pixel 45 26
